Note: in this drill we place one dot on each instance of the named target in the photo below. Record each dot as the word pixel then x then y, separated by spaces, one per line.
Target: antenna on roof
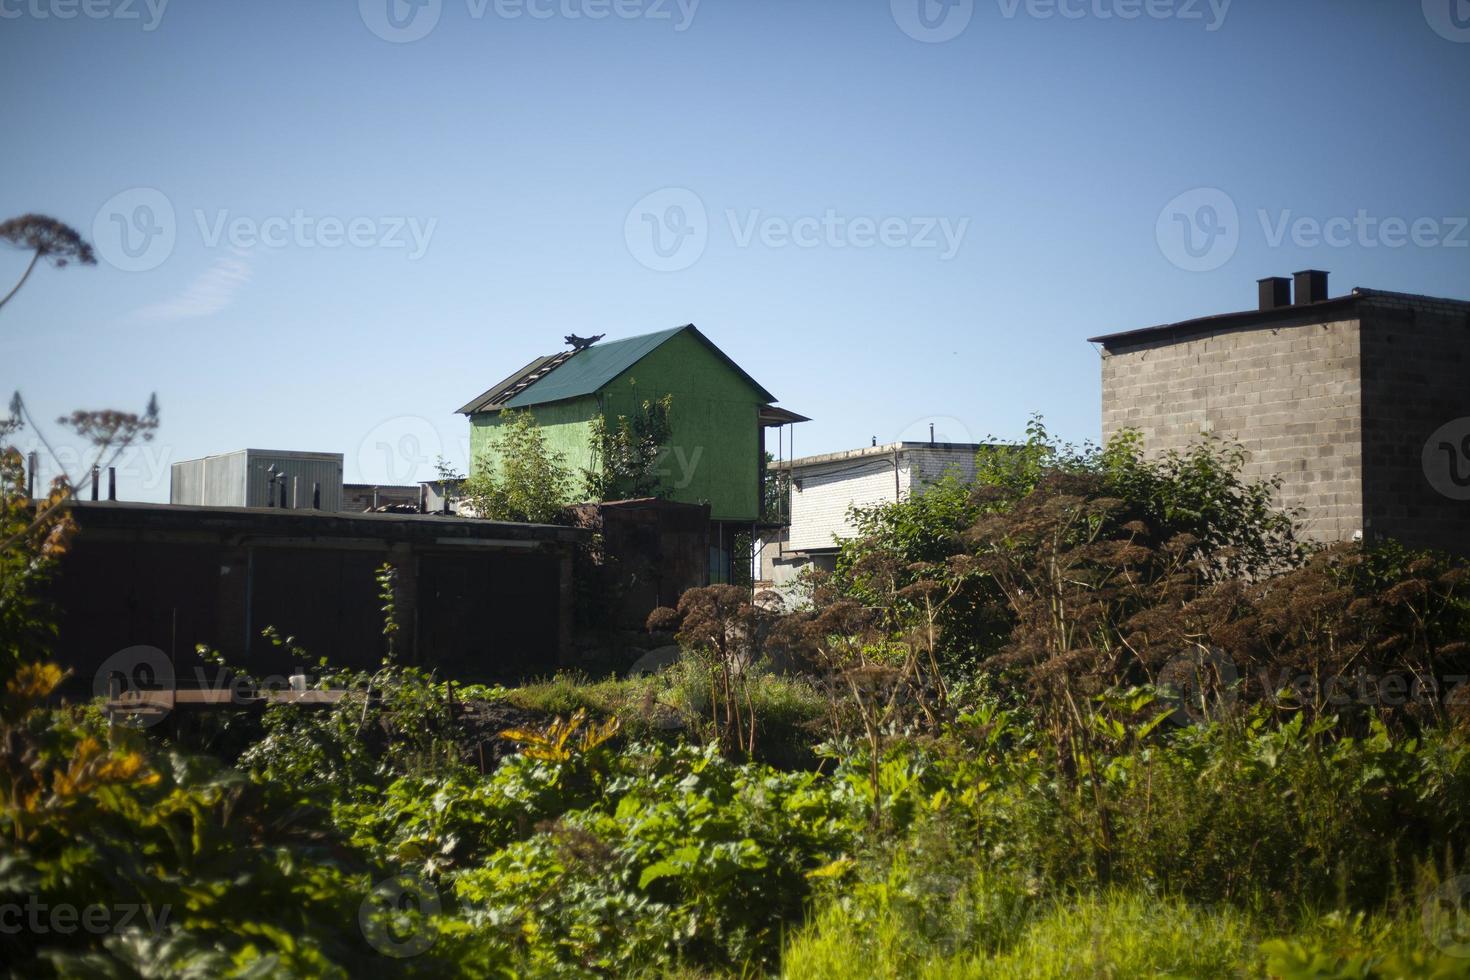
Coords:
pixel 582 343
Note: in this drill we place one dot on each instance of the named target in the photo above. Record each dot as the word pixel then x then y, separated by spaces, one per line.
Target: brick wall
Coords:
pixel 1416 391
pixel 819 507
pixel 1289 391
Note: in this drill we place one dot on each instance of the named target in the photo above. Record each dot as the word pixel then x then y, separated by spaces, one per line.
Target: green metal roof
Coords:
pixel 591 369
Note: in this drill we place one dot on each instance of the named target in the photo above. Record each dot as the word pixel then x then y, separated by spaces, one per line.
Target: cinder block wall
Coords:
pixel 1416 381
pixel 1290 392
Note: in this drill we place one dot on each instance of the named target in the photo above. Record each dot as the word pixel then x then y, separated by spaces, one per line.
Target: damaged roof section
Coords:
pixel 574 373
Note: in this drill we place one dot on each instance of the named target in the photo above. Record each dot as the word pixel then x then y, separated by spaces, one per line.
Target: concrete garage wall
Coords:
pixel 1291 392
pixel 478 600
pixel 1416 391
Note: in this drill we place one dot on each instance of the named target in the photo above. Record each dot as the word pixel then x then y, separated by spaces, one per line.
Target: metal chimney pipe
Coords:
pixel 112 483
pixel 1311 286
pixel 96 479
pixel 931 433
pixel 1275 292
pixel 295 493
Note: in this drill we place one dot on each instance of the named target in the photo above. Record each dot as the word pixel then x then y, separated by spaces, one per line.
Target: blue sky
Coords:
pixel 887 219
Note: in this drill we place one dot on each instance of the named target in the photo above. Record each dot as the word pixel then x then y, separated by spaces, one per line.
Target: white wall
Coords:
pixel 819 508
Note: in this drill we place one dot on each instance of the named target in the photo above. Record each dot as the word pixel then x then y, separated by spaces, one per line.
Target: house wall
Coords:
pixel 1290 392
pixel 928 465
pixel 819 508
pixel 567 427
pixel 1416 397
pixel 713 455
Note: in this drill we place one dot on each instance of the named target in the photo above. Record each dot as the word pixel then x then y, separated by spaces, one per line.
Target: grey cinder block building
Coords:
pixel 1360 403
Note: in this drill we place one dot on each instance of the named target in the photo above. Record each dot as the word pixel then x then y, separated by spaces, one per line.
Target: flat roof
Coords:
pixel 277 522
pixel 1258 317
pixel 887 449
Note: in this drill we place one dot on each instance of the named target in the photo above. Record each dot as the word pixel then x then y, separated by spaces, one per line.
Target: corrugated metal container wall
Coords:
pixel 305 469
pixel 224 480
pixel 240 479
pixel 186 482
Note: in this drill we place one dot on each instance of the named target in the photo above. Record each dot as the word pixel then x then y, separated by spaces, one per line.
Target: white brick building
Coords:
pixel 823 489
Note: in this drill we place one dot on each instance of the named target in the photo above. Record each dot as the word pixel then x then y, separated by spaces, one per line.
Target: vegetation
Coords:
pixel 1091 714
pixel 629 453
pixel 45 238
pixel 521 478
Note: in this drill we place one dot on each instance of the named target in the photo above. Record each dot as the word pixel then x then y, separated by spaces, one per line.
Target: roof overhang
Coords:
pixel 770 416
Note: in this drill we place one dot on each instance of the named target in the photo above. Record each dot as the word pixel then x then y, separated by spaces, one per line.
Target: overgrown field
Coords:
pixel 1090 715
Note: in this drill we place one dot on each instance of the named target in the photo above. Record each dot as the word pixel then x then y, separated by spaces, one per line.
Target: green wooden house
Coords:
pixel 719 416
